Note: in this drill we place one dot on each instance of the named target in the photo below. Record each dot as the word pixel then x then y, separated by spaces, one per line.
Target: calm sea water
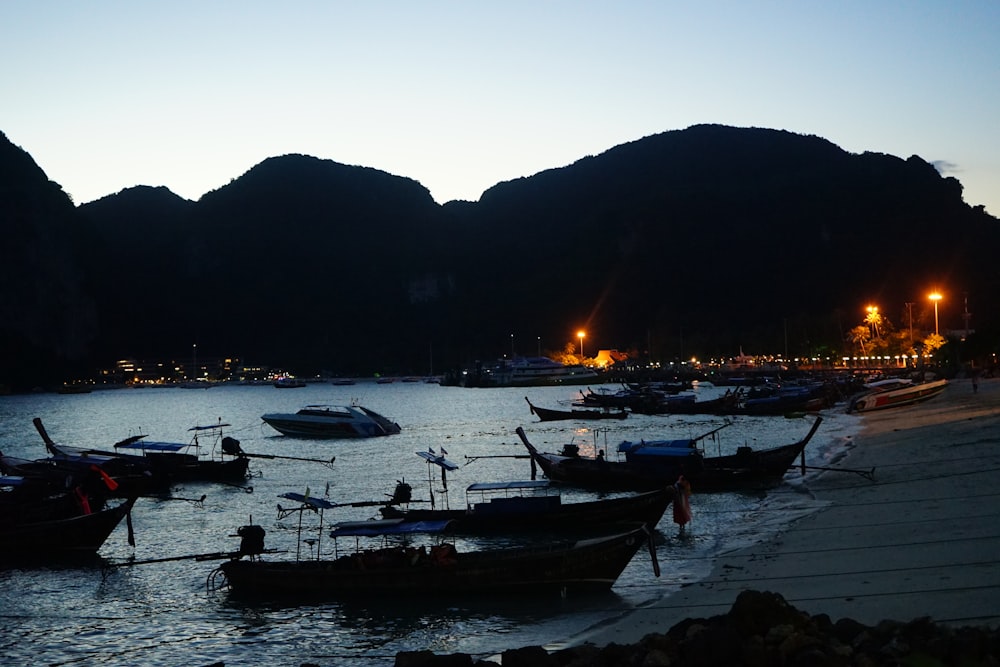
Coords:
pixel 164 614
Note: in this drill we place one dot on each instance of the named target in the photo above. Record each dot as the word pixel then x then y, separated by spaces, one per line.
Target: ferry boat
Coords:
pixel 534 372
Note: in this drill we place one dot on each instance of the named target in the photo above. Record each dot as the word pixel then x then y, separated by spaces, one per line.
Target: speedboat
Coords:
pixel 332 421
pixel 895 392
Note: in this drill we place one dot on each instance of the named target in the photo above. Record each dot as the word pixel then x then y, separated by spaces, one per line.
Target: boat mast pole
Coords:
pixel 430 484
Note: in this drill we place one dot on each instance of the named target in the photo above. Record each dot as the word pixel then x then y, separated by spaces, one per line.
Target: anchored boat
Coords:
pixel 332 421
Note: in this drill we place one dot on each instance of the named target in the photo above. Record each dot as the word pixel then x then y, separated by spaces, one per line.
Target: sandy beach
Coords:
pixel 921 539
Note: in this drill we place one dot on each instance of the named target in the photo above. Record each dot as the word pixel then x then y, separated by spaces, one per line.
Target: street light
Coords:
pixel 935 297
pixel 909 310
pixel 580 335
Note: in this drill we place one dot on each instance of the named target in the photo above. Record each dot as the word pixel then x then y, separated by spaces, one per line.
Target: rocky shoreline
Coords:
pixel 760 630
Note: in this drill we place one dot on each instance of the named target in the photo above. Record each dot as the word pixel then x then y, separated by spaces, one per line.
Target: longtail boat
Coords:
pixel 652 465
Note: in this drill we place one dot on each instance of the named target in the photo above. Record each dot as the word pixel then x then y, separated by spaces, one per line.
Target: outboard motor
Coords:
pixel 570 450
pixel 402 494
pixel 231 446
pixel 252 540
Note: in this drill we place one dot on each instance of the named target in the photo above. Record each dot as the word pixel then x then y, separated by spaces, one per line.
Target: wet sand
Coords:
pixel 922 539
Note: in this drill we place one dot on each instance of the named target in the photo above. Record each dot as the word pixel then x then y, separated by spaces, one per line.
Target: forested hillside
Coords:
pixel 690 242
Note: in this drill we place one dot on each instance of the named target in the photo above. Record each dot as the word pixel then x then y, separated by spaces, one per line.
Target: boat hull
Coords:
pixel 513 516
pixel 321 422
pixel 587 565
pixel 748 470
pixel 548 414
pixel 187 468
pixel 883 400
pixel 57 539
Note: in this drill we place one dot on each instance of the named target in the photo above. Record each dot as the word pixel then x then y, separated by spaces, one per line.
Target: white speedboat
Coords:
pixel 894 393
pixel 332 421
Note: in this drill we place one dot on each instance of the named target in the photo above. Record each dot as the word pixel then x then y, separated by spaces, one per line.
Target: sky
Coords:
pixel 461 96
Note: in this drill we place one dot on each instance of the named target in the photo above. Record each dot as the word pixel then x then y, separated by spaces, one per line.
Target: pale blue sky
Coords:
pixel 462 95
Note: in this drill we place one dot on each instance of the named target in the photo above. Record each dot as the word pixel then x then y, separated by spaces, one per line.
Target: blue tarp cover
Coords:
pixel 629 446
pixel 152 446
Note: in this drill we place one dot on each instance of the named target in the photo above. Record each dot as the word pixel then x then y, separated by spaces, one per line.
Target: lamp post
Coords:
pixel 935 297
pixel 909 310
pixel 580 335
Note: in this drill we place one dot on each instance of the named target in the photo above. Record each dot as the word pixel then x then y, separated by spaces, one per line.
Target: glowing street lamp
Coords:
pixel 580 335
pixel 935 297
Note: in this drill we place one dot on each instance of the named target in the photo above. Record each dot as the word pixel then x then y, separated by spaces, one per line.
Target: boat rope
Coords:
pixel 216 580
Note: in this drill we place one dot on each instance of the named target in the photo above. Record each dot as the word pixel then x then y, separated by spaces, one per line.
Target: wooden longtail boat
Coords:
pixel 548 414
pixel 146 467
pixel 442 572
pixel 748 469
pixel 81 534
pixel 527 506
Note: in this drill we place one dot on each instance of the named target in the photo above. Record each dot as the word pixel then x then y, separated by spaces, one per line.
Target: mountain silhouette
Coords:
pixel 689 242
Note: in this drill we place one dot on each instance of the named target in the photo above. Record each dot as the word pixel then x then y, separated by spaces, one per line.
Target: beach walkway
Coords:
pixel 922 539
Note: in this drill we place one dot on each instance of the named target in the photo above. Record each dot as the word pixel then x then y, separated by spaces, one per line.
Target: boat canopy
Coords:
pixel 312 501
pixel 438 459
pixel 207 428
pixel 504 486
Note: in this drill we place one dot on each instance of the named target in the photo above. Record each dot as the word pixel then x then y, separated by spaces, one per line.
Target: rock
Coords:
pixel 529 656
pixel 762 629
pixel 431 659
pixel 656 658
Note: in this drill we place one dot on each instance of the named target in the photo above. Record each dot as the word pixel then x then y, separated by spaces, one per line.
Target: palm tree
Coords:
pixel 874 319
pixel 859 335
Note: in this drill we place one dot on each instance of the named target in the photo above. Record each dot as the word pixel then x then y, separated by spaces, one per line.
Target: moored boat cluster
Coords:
pixel 69 503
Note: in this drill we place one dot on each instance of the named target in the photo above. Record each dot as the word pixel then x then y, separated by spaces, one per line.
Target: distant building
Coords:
pixel 606 358
pixel 155 371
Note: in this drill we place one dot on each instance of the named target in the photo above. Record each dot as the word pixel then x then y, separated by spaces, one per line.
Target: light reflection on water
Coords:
pixel 163 613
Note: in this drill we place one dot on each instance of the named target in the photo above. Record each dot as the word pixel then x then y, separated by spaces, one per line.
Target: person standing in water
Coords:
pixel 682 504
